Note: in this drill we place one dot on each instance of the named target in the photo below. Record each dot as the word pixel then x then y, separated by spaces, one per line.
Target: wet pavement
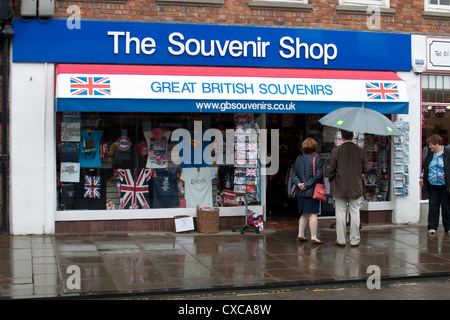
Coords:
pixel 161 262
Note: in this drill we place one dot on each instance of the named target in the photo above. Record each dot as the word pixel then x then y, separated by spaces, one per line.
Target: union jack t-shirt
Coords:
pixel 92 187
pixel 134 188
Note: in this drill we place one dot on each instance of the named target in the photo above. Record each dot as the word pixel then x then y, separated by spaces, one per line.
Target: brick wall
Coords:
pixel 404 15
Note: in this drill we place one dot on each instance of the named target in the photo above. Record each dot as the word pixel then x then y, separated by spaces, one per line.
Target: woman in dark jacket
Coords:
pixel 305 180
pixel 436 179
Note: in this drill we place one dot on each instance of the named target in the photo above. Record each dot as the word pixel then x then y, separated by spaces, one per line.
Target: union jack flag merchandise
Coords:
pixel 243 118
pixel 134 188
pixel 250 172
pixel 382 91
pixel 255 220
pixel 90 86
pixel 92 187
pixel 252 147
pixel 439 110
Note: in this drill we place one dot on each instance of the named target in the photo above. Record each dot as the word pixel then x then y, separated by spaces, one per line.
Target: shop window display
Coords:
pixel 124 161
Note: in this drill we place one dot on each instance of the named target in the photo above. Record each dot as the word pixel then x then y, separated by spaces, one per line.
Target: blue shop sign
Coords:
pixel 208 45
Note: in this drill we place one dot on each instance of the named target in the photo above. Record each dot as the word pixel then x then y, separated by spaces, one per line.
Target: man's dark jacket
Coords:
pixel 347 164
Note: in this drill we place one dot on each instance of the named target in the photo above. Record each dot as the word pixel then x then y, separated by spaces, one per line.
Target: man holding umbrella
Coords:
pixel 347 164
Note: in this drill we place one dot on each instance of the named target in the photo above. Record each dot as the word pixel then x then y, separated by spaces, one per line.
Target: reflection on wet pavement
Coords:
pixel 38 265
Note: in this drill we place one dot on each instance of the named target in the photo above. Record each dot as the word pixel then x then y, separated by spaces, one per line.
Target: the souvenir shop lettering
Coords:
pixel 147 45
pixel 317 51
pixel 178 45
pixel 234 48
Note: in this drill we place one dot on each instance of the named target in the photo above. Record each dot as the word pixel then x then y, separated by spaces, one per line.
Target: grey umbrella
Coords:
pixel 361 120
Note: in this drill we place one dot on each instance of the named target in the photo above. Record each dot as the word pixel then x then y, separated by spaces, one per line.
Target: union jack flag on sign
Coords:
pixel 382 91
pixel 92 187
pixel 90 86
pixel 134 188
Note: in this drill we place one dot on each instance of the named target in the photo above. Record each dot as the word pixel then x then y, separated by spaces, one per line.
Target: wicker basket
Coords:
pixel 208 220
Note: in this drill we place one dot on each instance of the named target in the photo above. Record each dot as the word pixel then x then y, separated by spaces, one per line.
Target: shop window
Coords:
pixel 436 89
pixel 128 161
pixel 435 110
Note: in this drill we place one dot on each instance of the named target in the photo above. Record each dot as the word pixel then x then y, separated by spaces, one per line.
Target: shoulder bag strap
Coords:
pixel 314 168
pixel 314 165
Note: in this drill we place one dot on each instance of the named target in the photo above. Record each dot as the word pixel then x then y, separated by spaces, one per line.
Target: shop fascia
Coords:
pixel 114 42
pixel 178 45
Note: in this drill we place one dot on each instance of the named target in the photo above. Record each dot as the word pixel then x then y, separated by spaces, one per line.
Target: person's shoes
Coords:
pixel 338 244
pixel 431 231
pixel 355 245
pixel 301 239
pixel 316 241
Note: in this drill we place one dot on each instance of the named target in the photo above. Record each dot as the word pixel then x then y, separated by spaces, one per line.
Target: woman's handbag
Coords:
pixel 320 191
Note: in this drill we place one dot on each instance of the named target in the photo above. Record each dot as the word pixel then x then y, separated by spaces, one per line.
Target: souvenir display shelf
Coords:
pixel 246 171
pixel 377 179
pixel 401 160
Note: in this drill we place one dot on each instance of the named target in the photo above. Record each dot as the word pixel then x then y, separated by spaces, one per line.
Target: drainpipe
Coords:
pixel 6 34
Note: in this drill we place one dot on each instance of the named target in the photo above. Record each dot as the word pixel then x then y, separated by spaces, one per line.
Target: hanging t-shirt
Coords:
pixel 122 151
pixel 70 151
pixel 83 198
pixel 90 149
pixel 157 141
pixel 92 187
pixel 198 186
pixel 203 158
pixel 134 188
pixel 165 188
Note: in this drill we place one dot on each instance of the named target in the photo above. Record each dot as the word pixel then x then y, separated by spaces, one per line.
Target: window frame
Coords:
pixel 436 7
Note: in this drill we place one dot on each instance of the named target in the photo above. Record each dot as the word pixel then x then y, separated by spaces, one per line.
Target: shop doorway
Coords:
pixel 293 129
pixel 280 204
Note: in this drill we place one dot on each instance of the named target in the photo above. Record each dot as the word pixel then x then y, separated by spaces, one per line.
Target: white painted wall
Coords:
pixel 407 209
pixel 32 149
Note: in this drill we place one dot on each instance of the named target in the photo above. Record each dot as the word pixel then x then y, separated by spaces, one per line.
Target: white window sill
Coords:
pixel 348 9
pixel 208 3
pixel 280 5
pixel 435 14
